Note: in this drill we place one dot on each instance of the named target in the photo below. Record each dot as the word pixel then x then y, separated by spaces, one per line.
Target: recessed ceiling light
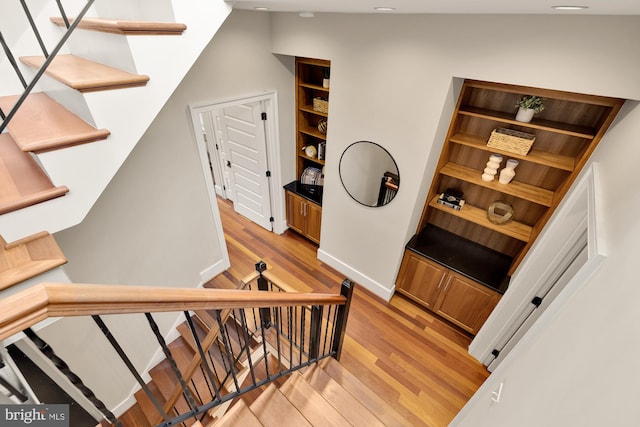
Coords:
pixel 567 7
pixel 261 8
pixel 384 9
pixel 306 14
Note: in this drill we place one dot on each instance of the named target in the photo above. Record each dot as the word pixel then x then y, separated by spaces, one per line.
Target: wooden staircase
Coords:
pixel 324 394
pixel 41 125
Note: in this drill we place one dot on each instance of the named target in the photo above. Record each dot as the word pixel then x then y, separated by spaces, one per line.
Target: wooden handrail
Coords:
pixel 28 307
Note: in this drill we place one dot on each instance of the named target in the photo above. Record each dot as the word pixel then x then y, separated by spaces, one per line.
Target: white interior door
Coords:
pixel 213 153
pixel 240 131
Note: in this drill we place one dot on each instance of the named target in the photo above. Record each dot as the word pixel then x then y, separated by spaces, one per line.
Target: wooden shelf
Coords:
pixel 523 191
pixel 478 216
pixel 546 125
pixel 314 87
pixel 557 161
pixel 312 159
pixel 314 132
pixel 309 109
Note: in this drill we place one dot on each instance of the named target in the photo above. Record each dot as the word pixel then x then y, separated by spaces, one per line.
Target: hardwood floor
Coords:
pixel 415 361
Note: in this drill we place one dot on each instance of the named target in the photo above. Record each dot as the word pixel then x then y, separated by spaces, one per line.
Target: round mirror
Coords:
pixel 369 173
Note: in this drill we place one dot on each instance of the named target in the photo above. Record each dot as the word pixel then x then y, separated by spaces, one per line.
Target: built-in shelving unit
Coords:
pixel 304 199
pixel 566 133
pixel 310 75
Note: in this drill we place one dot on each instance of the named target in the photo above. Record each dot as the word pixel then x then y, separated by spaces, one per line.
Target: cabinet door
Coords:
pixel 420 279
pixel 313 214
pixel 465 303
pixel 295 212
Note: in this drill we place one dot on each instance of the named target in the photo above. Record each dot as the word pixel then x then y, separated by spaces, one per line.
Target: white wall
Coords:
pixel 392 84
pixel 153 225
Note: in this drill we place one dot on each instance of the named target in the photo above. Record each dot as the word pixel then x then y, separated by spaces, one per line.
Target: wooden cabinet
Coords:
pixel 420 279
pixel 447 293
pixel 566 133
pixel 312 100
pixel 303 216
pixel 312 115
pixel 465 302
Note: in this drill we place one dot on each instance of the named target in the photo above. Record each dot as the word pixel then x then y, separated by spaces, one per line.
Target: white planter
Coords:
pixel 525 114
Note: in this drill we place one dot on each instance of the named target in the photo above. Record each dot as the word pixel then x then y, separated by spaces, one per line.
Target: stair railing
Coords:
pixel 240 339
pixel 28 87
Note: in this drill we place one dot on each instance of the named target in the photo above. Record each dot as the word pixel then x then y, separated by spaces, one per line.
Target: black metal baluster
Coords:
pixel 44 66
pixel 63 14
pixel 114 343
pixel 315 331
pixel 278 329
pixel 303 319
pixel 264 349
pixel 34 28
pixel 326 330
pixel 201 352
pixel 227 350
pixel 290 331
pixel 13 62
pixel 75 380
pixel 167 353
pixel 248 350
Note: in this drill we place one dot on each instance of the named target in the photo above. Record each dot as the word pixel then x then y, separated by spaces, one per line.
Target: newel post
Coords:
pixel 346 290
pixel 263 285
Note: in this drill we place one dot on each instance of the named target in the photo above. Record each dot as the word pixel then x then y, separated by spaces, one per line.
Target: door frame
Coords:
pixel 270 98
pixel 580 212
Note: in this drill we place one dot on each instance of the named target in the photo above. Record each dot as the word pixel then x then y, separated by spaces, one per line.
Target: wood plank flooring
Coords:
pixel 413 360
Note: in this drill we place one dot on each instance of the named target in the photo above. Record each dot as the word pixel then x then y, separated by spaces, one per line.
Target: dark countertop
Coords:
pixel 312 193
pixel 463 256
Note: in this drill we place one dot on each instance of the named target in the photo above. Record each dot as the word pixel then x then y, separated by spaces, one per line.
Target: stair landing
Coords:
pixel 325 395
pixel 85 75
pixel 22 182
pixel 41 124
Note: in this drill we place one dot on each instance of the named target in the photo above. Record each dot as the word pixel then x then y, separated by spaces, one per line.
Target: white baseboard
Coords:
pixel 212 271
pixel 360 279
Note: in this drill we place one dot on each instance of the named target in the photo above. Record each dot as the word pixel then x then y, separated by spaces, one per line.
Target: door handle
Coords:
pixel 228 163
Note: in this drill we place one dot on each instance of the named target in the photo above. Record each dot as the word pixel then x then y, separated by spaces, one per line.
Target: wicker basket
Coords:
pixel 321 105
pixel 512 141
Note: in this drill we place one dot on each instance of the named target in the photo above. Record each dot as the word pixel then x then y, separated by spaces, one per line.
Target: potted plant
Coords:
pixel 529 105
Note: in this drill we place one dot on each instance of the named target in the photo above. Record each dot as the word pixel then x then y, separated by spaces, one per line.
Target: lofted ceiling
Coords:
pixel 514 7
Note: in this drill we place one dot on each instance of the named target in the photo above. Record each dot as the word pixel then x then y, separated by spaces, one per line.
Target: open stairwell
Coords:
pixel 322 394
pixel 84 113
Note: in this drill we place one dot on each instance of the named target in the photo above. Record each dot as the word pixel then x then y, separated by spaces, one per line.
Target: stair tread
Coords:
pixel 22 182
pixel 350 407
pixel 31 257
pixel 310 403
pixel 272 407
pixel 378 406
pixel 146 405
pixel 127 27
pixel 41 124
pixel 85 75
pixel 239 415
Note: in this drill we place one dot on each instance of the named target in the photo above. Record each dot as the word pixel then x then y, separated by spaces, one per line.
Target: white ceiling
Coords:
pixel 527 7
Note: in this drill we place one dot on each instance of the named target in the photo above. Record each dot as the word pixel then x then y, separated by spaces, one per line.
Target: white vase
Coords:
pixel 525 114
pixel 491 168
pixel 507 174
pixel 325 83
